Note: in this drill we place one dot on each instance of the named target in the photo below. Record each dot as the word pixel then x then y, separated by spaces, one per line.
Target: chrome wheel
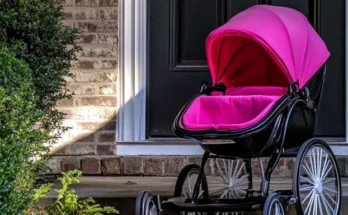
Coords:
pixel 232 182
pixel 188 186
pixel 185 185
pixel 145 204
pixel 273 205
pixel 317 184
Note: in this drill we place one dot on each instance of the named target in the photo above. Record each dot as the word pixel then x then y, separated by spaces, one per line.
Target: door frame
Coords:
pixel 132 95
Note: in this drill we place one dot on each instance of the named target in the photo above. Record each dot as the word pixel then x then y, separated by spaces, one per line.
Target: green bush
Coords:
pixel 20 142
pixel 49 47
pixel 67 201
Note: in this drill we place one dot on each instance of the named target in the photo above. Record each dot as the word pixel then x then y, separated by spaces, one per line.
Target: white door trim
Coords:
pixel 131 116
pixel 131 85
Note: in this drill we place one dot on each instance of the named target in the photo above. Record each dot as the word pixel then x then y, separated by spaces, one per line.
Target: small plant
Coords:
pixel 67 202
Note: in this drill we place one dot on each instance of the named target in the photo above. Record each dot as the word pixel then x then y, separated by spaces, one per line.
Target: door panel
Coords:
pixel 177 60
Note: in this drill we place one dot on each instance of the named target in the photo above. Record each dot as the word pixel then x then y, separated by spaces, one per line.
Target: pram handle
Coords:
pixel 294 87
pixel 208 90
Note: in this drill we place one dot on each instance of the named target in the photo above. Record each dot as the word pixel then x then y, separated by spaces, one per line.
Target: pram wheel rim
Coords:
pixel 312 160
pixel 275 202
pixel 184 173
pixel 146 204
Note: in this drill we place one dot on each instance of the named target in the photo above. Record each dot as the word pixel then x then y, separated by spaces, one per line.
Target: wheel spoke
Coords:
pixel 331 190
pixel 328 180
pixel 320 150
pixel 326 173
pixel 333 201
pixel 220 171
pixel 308 195
pixel 320 205
pixel 313 164
pixel 241 179
pixel 316 204
pixel 307 188
pixel 189 186
pixel 308 170
pixel 309 180
pixel 225 167
pixel 326 163
pixel 230 167
pixel 183 193
pixel 327 203
pixel 310 204
pixel 224 194
pixel 239 170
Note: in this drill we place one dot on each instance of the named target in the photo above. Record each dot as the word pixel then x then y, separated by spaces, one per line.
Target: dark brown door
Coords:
pixel 177 60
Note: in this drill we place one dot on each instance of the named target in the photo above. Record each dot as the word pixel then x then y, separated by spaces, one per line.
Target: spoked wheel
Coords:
pixel 146 204
pixel 185 185
pixel 316 180
pixel 274 205
pixel 232 182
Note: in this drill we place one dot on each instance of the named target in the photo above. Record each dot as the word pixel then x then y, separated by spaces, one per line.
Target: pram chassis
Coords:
pixel 286 138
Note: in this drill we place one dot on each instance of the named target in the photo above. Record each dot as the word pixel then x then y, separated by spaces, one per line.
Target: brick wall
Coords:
pixel 92 111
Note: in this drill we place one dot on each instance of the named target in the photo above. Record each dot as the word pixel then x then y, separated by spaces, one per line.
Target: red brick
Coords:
pixel 85 14
pixel 154 166
pixel 110 126
pixel 173 165
pixel 108 2
pixel 82 89
pixel 107 39
pixel 87 27
pixel 68 3
pixel 100 76
pixel 108 14
pixel 69 163
pixel 96 64
pixel 107 27
pixel 87 38
pixel 67 15
pixel 89 138
pixel 96 101
pixel 88 125
pixel 106 149
pixel 81 149
pixel 133 165
pixel 90 165
pixel 65 103
pixel 106 137
pixel 86 3
pixel 88 113
pixel 107 89
pixel 98 52
pixel 111 166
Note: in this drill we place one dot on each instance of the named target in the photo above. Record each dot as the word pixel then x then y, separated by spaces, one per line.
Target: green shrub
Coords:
pixel 49 47
pixel 67 202
pixel 20 141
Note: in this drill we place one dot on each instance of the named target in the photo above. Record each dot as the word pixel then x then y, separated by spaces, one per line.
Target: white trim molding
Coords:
pixel 131 117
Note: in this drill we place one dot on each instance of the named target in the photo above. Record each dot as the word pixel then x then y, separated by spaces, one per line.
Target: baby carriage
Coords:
pixel 267 66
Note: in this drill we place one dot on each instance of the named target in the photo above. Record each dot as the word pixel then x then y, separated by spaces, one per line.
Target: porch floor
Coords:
pixel 128 187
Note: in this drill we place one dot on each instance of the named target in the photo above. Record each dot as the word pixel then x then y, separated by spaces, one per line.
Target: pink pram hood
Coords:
pixel 284 33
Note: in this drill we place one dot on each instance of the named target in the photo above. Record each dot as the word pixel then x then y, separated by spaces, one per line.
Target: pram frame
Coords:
pixel 276 147
pixel 280 114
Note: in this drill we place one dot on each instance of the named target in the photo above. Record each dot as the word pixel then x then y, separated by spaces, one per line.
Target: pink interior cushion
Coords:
pixel 238 109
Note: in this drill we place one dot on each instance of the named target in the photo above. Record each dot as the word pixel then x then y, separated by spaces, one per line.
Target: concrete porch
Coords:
pixel 121 191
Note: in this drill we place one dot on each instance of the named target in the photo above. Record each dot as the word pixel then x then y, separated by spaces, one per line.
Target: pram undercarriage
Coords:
pixel 316 178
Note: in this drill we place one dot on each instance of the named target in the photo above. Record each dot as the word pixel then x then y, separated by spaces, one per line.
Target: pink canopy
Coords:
pixel 265 45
